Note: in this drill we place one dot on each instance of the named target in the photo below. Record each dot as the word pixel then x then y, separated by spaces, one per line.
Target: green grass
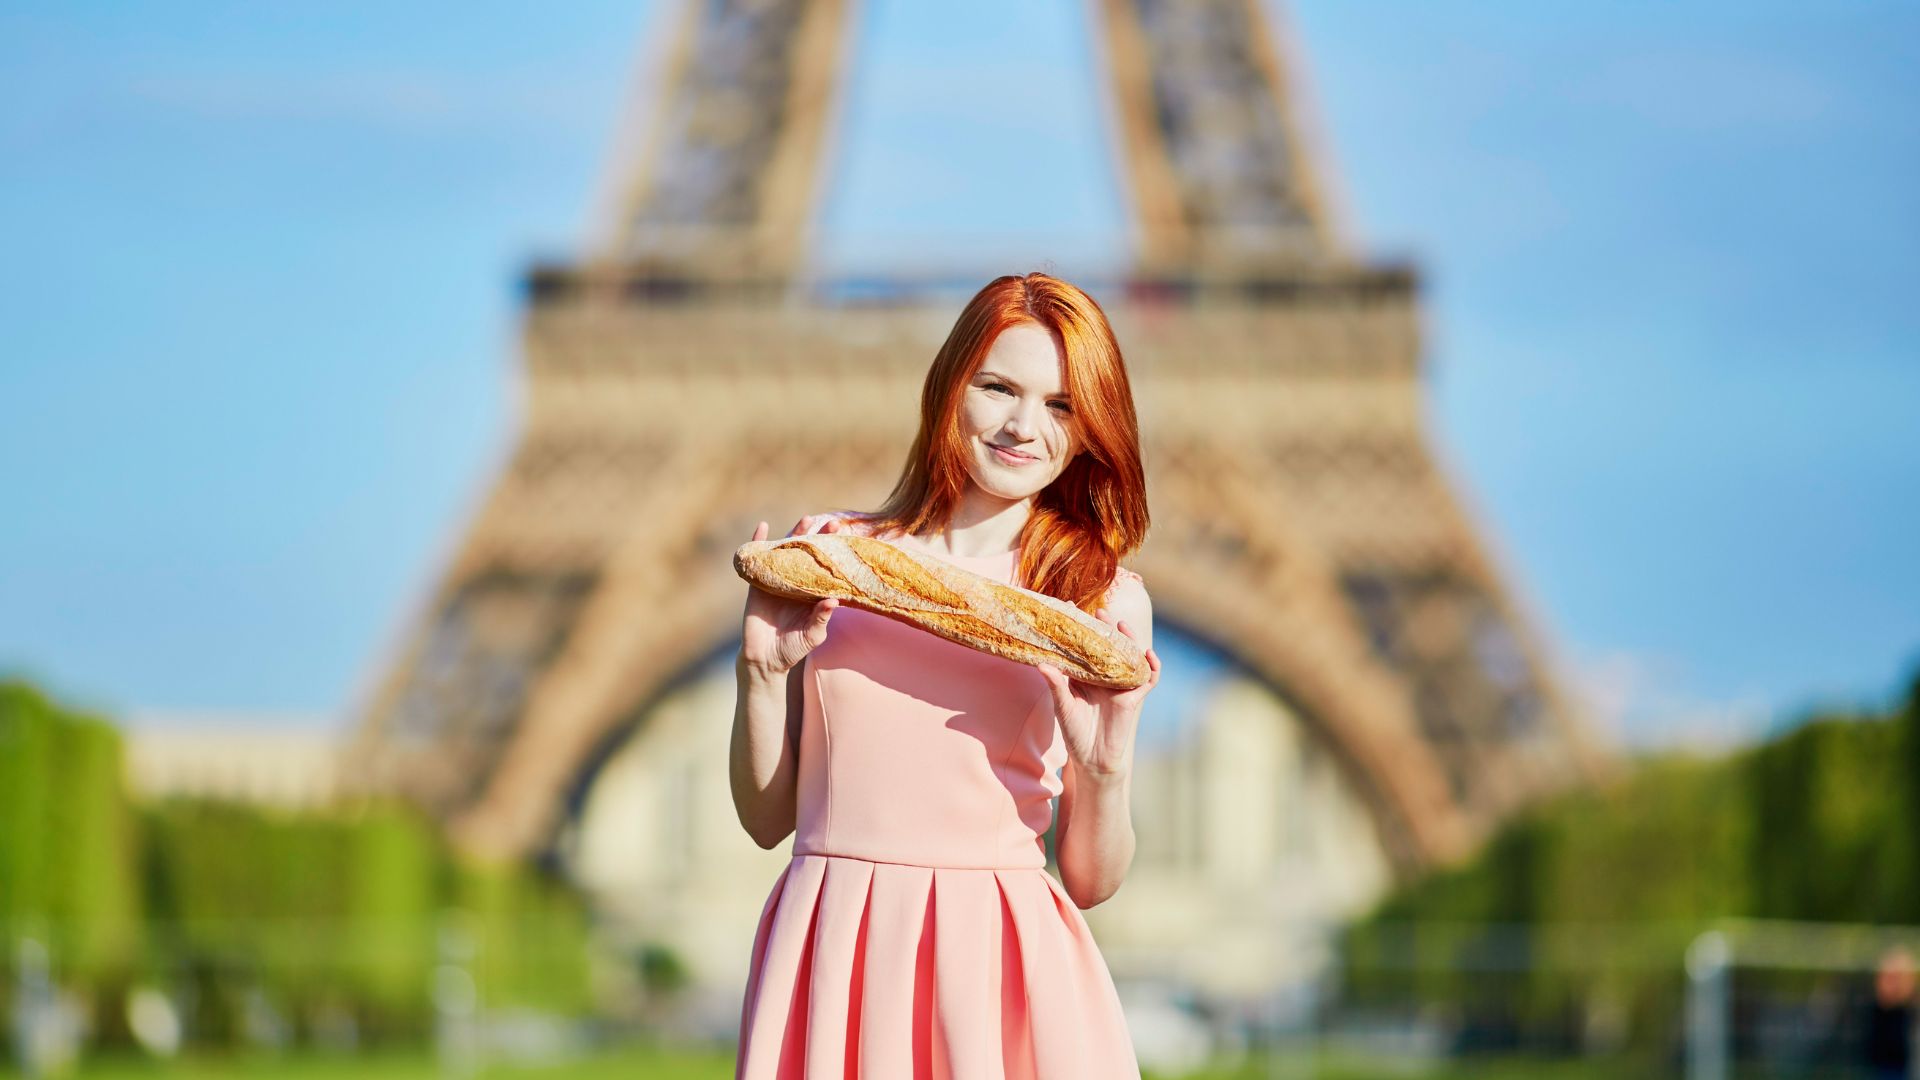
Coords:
pixel 1354 1067
pixel 644 1063
pixel 632 1063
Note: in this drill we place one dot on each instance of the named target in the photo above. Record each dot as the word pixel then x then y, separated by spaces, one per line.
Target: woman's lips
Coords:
pixel 1012 457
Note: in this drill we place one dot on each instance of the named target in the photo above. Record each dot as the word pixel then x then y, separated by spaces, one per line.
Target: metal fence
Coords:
pixel 1731 1001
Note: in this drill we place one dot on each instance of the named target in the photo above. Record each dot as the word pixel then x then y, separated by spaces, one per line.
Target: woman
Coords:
pixel 916 931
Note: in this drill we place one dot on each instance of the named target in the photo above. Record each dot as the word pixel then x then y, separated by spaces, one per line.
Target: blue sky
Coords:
pixel 256 346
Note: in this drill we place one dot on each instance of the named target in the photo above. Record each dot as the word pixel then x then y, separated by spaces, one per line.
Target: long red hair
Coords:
pixel 1095 511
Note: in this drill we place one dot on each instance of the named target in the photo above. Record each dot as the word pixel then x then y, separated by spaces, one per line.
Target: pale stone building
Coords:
pixel 269 759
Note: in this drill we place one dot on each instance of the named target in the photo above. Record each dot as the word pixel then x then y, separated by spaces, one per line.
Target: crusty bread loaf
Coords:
pixel 953 602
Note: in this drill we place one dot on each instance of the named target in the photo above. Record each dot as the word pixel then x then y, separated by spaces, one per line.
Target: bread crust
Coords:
pixel 970 609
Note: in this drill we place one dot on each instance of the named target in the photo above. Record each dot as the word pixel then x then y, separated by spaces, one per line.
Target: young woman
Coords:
pixel 916 931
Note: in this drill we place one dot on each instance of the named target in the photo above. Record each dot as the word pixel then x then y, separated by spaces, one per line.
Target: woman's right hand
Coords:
pixel 778 633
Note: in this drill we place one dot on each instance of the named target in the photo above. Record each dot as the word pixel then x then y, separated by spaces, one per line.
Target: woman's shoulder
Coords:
pixel 1127 599
pixel 1125 582
pixel 853 520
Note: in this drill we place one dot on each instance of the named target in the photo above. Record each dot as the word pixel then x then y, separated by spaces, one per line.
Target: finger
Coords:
pixel 760 531
pixel 1125 629
pixel 822 613
pixel 1057 686
pixel 800 526
pixel 833 525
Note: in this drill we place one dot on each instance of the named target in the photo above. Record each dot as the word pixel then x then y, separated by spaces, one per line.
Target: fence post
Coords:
pixel 36 1034
pixel 456 998
pixel 1709 1002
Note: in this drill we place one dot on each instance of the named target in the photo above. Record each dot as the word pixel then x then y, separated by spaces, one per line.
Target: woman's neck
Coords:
pixel 977 531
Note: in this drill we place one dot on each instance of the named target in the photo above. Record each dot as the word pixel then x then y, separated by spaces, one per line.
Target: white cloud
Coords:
pixel 1641 702
pixel 155 719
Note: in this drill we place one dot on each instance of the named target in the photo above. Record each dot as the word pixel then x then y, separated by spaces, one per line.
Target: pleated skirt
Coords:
pixel 892 971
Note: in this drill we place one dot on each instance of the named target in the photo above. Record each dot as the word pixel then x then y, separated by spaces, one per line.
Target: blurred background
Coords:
pixel 1527 397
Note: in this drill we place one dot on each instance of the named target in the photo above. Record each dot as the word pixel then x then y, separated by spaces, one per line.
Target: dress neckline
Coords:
pixel 918 545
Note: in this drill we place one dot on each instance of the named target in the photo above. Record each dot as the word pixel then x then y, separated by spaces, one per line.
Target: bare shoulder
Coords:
pixel 853 520
pixel 1128 596
pixel 1126 584
pixel 858 522
pixel 1127 601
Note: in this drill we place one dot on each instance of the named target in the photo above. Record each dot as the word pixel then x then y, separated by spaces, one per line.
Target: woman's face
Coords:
pixel 1017 401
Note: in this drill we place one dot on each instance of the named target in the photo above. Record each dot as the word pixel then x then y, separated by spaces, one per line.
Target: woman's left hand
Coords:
pixel 1099 722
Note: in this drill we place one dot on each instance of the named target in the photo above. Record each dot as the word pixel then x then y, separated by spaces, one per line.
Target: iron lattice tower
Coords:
pixel 1302 523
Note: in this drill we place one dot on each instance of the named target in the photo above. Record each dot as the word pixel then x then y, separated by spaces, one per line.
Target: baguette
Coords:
pixel 957 604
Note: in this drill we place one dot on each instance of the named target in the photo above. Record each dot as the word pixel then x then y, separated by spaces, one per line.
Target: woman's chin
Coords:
pixel 1009 483
pixel 1011 493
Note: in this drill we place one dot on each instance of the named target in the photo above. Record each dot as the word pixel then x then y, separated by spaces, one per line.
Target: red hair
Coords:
pixel 1095 511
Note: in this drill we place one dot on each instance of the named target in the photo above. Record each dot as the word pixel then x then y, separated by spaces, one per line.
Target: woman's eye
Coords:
pixel 1064 408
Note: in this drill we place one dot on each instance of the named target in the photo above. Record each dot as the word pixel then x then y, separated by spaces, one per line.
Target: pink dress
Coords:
pixel 916 932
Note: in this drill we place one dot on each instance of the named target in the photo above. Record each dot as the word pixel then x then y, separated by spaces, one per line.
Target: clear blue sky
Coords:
pixel 256 339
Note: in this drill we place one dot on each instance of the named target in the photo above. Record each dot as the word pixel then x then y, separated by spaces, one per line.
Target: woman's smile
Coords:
pixel 1012 457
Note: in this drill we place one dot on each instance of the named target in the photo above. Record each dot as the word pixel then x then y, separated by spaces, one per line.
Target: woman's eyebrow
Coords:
pixel 1011 382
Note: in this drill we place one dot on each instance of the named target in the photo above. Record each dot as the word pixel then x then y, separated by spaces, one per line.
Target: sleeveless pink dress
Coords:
pixel 916 932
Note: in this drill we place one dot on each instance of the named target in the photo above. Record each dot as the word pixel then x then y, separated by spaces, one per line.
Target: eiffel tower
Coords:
pixel 676 374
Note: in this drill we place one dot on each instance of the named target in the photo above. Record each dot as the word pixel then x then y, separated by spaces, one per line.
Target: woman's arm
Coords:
pixel 775 637
pixel 1095 840
pixel 765 753
pixel 1097 850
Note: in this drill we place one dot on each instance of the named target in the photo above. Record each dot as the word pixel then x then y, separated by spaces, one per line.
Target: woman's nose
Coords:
pixel 1022 423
